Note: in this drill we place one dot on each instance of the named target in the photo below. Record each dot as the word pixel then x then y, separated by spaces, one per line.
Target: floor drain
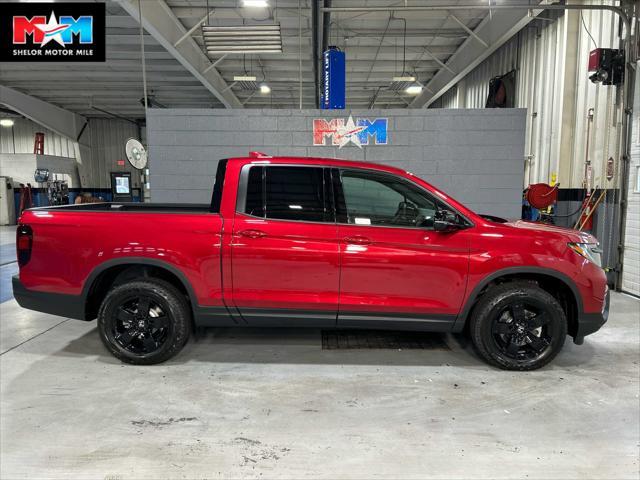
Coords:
pixel 382 339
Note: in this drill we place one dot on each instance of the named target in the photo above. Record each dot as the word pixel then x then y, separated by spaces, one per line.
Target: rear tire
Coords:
pixel 518 326
pixel 144 322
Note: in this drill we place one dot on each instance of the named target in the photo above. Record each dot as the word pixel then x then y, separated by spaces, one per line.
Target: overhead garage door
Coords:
pixel 631 259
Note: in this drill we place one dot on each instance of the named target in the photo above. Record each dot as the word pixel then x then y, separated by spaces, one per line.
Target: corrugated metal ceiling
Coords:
pixel 374 43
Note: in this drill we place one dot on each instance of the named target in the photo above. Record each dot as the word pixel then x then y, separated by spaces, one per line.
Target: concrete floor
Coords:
pixel 260 403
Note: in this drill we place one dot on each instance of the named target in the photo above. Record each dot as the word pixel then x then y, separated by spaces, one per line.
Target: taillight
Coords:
pixel 24 242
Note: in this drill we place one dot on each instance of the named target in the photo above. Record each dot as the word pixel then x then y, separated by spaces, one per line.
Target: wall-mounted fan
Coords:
pixel 136 153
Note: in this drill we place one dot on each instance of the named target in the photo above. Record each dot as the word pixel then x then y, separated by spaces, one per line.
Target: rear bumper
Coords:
pixel 69 306
pixel 589 323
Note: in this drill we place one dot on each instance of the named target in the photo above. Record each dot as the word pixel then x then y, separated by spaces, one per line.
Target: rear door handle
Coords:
pixel 358 240
pixel 253 233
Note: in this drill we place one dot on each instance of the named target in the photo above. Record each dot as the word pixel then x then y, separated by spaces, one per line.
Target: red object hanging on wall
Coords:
pixel 38 144
pixel 585 222
pixel 26 199
pixel 541 195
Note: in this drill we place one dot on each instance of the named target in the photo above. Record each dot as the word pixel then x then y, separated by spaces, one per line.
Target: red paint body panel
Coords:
pixel 294 265
pixel 523 244
pixel 402 270
pixel 68 246
pixel 300 265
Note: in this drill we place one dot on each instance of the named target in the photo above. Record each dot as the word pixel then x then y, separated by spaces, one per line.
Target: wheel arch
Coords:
pixel 117 270
pixel 556 283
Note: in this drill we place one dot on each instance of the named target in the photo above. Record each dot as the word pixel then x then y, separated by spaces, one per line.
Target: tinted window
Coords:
pixel 377 199
pixel 255 201
pixel 216 198
pixel 288 193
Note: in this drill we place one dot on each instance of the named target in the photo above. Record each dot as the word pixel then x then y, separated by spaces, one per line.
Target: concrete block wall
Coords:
pixel 476 156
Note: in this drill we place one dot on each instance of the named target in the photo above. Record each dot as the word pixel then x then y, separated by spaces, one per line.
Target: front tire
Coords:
pixel 145 321
pixel 518 326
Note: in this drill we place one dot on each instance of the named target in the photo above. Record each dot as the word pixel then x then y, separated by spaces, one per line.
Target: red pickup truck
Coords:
pixel 309 242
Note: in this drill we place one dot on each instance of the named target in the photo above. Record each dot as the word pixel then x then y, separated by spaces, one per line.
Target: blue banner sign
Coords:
pixel 333 79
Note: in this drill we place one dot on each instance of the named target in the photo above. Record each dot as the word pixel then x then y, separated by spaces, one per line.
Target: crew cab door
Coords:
pixel 285 251
pixel 396 269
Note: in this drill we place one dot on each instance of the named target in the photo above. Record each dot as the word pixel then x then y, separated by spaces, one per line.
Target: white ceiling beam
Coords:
pixel 468 30
pixel 42 88
pixel 292 13
pixel 59 120
pixel 74 76
pixel 164 26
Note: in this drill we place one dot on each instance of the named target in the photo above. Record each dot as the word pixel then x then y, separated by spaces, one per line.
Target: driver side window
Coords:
pixel 379 199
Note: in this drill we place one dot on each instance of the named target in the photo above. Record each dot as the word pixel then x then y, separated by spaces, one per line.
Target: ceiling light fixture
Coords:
pixel 255 3
pixel 265 89
pixel 404 79
pixel 413 89
pixel 7 122
pixel 401 83
pixel 246 82
pixel 242 39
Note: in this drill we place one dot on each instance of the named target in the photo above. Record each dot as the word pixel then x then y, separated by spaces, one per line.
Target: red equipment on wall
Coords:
pixel 541 195
pixel 38 144
pixel 608 65
pixel 586 218
pixel 26 200
pixel 588 209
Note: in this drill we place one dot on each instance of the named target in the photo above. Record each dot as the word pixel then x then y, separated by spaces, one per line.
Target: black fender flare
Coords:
pixel 133 261
pixel 458 326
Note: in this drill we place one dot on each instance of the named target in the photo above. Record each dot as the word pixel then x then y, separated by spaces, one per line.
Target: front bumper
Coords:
pixel 69 306
pixel 589 323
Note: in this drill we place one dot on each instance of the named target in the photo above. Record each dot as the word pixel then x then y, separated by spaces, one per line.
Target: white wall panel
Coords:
pixel 105 137
pixel 605 101
pixel 450 99
pixel 476 84
pixel 21 167
pixel 550 58
pixel 631 260
pixel 24 133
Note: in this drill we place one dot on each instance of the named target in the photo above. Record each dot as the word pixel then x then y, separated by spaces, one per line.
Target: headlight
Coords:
pixel 590 251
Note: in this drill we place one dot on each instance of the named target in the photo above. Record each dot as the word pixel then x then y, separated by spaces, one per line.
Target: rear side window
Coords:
pixel 255 199
pixel 218 185
pixel 288 193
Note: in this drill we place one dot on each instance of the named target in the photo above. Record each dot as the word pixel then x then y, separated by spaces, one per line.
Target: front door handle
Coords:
pixel 358 240
pixel 253 233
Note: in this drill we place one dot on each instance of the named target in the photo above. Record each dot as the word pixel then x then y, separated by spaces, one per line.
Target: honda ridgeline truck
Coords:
pixel 309 242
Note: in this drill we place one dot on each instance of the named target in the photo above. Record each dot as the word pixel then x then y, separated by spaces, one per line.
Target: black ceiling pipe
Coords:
pixel 326 25
pixel 316 58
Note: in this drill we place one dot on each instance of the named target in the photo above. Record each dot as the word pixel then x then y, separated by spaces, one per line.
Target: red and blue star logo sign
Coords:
pixel 49 32
pixel 358 131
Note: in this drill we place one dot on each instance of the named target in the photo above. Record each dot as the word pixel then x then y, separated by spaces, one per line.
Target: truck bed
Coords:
pixel 72 242
pixel 132 207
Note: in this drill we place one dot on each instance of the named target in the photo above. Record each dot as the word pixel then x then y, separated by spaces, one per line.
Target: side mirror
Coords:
pixel 446 221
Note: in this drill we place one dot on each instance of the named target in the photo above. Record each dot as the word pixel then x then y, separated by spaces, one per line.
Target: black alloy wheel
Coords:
pixel 523 331
pixel 140 326
pixel 518 326
pixel 144 321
